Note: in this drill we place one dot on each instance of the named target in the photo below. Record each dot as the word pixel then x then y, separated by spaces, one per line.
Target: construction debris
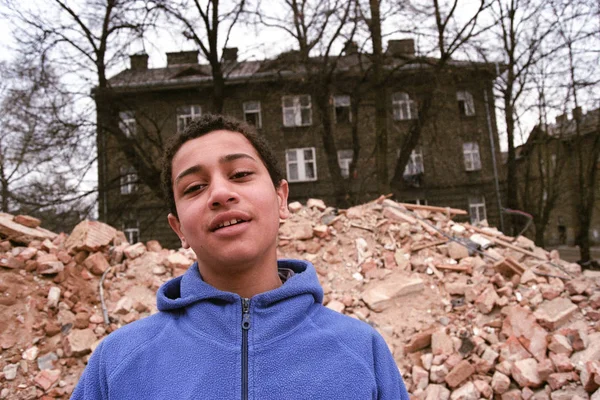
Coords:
pixel 468 312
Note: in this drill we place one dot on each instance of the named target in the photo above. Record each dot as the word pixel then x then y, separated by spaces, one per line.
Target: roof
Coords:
pixel 588 123
pixel 285 65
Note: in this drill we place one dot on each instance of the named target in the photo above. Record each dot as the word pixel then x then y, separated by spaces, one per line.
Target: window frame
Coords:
pixel 128 181
pixel 403 107
pixel 476 204
pixel 471 156
pixel 257 111
pixel 466 103
pixel 128 123
pixel 415 162
pixel 184 117
pixel 296 109
pixel 345 157
pixel 301 164
pixel 339 104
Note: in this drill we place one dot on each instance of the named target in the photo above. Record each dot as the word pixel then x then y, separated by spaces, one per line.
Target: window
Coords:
pixel 252 113
pixel 301 164
pixel 477 209
pixel 127 123
pixel 128 180
pixel 471 154
pixel 297 110
pixel 403 107
pixel 132 232
pixel 466 106
pixel 344 160
pixel 341 105
pixel 415 163
pixel 185 115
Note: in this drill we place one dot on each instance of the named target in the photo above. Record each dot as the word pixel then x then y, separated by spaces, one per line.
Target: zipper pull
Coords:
pixel 245 314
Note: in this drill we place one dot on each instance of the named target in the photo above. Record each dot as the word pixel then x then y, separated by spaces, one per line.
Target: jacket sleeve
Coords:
pixel 92 384
pixel 389 382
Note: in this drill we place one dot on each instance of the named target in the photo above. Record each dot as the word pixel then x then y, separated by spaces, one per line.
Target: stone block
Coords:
pixel 79 342
pixel 459 373
pixel 90 236
pixel 525 373
pixel 96 263
pixel 436 392
pixel 381 295
pixel 554 313
pixel 468 391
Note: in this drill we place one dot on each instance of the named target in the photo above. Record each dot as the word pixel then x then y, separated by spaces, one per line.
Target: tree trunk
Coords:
pixel 381 137
pixel 339 183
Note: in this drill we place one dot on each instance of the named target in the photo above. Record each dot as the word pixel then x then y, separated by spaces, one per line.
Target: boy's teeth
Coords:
pixel 227 223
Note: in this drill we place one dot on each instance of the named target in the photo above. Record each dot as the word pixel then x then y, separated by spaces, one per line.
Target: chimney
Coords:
pixel 230 54
pixel 577 113
pixel 182 57
pixel 139 62
pixel 401 48
pixel 561 119
pixel 350 48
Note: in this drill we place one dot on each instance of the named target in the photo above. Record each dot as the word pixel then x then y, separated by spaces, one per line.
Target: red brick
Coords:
pixel 96 263
pixel 459 373
pixel 90 236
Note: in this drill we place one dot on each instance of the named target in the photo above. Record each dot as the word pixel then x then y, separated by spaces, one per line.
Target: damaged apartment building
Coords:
pixel 454 163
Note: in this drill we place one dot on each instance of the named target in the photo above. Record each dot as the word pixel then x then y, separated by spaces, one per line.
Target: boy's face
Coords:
pixel 228 209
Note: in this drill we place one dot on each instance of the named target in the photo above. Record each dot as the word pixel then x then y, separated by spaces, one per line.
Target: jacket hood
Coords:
pixel 190 288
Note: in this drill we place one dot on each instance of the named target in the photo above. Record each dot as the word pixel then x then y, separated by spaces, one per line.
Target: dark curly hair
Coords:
pixel 206 124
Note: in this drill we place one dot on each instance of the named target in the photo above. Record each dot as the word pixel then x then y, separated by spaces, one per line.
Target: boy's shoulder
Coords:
pixel 346 328
pixel 134 336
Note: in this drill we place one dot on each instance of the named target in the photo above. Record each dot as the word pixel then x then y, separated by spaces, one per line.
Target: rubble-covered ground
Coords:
pixel 468 312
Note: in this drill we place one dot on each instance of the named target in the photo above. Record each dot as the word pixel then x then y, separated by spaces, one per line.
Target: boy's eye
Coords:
pixel 241 174
pixel 193 188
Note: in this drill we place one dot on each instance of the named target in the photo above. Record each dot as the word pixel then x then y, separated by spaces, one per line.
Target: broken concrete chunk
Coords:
pixel 554 313
pixel 90 236
pixel 380 295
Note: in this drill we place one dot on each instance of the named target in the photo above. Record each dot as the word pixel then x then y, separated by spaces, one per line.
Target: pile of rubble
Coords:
pixel 468 312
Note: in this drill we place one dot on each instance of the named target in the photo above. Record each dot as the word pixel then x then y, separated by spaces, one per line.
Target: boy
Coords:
pixel 239 323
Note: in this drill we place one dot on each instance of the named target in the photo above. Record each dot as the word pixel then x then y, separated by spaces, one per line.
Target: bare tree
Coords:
pixel 37 143
pixel 452 35
pixel 317 27
pixel 522 28
pixel 208 25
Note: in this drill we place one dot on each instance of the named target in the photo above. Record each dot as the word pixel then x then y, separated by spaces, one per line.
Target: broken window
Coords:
pixel 471 154
pixel 185 115
pixel 297 110
pixel 403 107
pixel 127 123
pixel 129 180
pixel 252 113
pixel 341 105
pixel 477 209
pixel 344 160
pixel 301 164
pixel 415 163
pixel 466 106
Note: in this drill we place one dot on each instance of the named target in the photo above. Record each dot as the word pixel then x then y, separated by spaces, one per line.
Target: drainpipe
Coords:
pixel 493 146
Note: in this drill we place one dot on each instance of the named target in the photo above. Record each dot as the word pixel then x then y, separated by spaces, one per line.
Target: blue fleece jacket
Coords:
pixel 209 344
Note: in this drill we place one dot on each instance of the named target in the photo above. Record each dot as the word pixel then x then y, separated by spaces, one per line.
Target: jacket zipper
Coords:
pixel 245 327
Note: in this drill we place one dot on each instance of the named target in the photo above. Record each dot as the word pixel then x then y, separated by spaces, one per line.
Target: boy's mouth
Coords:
pixel 233 221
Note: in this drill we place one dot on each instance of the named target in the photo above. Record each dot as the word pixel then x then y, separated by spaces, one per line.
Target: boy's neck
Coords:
pixel 243 280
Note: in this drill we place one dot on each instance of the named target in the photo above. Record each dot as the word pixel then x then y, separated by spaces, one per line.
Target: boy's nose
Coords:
pixel 222 193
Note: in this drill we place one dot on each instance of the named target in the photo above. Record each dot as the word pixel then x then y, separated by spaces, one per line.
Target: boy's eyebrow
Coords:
pixel 223 160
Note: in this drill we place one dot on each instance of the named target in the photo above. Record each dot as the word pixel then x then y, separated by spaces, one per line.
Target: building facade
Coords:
pixel 452 165
pixel 557 167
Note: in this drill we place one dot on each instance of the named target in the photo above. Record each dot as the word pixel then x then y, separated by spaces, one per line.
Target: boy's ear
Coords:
pixel 176 226
pixel 282 196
